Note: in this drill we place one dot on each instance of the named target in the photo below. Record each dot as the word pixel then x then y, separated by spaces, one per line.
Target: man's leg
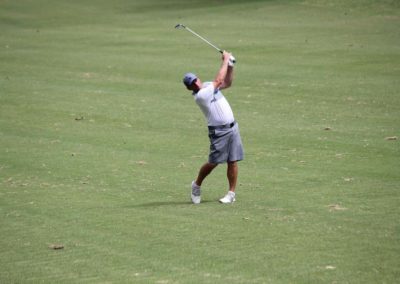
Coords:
pixel 232 174
pixel 205 170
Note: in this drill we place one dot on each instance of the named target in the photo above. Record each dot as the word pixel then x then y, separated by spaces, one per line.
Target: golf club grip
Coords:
pixel 221 51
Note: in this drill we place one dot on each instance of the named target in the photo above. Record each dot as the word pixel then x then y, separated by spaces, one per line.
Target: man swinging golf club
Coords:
pixel 225 141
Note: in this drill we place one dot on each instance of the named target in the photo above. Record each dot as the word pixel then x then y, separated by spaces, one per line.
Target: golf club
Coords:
pixel 181 26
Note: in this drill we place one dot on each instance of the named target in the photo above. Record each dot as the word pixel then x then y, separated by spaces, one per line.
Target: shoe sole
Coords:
pixel 227 202
pixel 195 202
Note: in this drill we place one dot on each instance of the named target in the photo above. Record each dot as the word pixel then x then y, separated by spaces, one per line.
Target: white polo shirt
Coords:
pixel 214 105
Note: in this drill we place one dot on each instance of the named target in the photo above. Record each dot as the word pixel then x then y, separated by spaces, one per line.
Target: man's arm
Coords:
pixel 223 71
pixel 228 79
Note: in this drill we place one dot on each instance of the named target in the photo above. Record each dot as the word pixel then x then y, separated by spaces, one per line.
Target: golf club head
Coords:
pixel 179 26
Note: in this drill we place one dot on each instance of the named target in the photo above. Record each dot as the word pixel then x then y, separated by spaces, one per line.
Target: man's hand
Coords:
pixel 231 59
pixel 226 56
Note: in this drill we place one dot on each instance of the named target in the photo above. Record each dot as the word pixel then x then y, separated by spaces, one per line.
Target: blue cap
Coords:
pixel 189 79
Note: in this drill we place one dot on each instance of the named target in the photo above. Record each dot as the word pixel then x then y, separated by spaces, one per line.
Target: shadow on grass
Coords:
pixel 168 203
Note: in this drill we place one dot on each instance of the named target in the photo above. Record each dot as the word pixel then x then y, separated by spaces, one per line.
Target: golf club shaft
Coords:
pixel 233 60
pixel 199 36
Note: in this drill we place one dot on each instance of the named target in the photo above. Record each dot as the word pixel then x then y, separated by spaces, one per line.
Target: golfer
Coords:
pixel 223 130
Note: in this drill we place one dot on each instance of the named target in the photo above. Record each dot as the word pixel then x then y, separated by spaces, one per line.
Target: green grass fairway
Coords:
pixel 99 142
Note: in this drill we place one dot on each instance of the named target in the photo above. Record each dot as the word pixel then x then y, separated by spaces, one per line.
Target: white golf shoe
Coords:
pixel 228 198
pixel 195 193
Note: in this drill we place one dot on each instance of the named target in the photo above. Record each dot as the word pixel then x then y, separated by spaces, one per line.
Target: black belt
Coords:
pixel 229 125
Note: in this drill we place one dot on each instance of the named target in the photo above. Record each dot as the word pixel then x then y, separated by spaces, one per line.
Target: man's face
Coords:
pixel 196 85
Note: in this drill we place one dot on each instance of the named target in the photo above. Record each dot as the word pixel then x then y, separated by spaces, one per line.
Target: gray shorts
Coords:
pixel 225 145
